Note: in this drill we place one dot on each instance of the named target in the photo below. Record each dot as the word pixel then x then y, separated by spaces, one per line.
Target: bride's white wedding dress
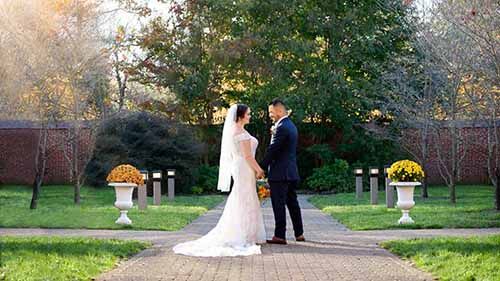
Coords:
pixel 241 225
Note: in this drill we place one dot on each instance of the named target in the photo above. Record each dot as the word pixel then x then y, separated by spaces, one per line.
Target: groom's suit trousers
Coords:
pixel 283 195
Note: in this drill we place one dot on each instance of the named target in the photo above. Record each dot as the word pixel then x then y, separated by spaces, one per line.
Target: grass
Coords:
pixel 457 259
pixel 56 258
pixel 96 211
pixel 474 209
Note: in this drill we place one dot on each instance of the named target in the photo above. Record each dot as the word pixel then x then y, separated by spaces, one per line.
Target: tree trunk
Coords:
pixel 497 190
pixel 453 195
pixel 77 191
pixel 425 147
pixel 205 139
pixel 206 135
pixel 37 184
pixel 76 170
pixel 76 183
pixel 453 192
pixel 40 164
pixel 425 193
pixel 36 191
pixel 121 81
pixel 454 163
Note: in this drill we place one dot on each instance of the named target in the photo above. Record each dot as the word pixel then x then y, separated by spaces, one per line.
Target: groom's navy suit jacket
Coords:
pixel 281 155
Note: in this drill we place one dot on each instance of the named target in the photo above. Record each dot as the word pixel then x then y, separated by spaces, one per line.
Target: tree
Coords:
pixel 415 83
pixel 37 89
pixel 179 57
pixel 213 53
pixel 119 64
pixel 452 49
pixel 478 22
pixel 429 93
pixel 55 58
pixel 81 65
pixel 323 57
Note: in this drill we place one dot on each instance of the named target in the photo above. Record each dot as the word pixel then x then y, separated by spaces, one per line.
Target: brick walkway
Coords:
pixel 331 253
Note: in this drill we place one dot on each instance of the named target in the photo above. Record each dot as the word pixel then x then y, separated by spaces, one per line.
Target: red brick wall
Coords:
pixel 18 146
pixel 474 165
pixel 17 155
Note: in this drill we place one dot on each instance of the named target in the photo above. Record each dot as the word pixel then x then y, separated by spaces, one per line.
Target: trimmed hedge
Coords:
pixel 146 141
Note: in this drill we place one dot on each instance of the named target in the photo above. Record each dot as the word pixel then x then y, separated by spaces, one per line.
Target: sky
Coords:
pixel 132 21
pixel 424 4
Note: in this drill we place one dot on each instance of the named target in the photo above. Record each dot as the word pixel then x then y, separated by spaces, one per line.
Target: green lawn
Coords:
pixel 454 259
pixel 56 258
pixel 56 209
pixel 474 208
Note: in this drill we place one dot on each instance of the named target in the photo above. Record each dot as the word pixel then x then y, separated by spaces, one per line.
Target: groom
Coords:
pixel 280 162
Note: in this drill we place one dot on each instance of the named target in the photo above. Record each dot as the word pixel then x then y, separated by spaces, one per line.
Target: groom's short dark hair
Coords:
pixel 276 102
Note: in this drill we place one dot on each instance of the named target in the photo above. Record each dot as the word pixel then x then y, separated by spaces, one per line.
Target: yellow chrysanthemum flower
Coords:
pixel 125 173
pixel 405 170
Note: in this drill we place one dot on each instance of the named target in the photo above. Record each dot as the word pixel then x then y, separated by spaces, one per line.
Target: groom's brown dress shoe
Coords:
pixel 277 240
pixel 300 238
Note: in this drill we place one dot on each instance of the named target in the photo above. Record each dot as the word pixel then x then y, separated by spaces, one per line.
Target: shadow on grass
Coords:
pixel 473 210
pixel 461 246
pixel 15 247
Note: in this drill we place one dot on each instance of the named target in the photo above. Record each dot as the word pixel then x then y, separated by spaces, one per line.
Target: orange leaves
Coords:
pixel 120 34
pixel 59 6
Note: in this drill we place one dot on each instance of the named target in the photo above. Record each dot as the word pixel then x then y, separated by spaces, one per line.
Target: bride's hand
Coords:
pixel 260 174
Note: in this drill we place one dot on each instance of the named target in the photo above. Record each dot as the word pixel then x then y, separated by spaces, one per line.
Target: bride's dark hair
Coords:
pixel 241 109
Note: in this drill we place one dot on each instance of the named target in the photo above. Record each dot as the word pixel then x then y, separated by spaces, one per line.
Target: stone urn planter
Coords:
pixel 124 178
pixel 405 202
pixel 123 201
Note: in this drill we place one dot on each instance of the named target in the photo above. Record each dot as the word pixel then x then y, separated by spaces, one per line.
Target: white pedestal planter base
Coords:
pixel 405 199
pixel 123 201
pixel 123 219
pixel 406 219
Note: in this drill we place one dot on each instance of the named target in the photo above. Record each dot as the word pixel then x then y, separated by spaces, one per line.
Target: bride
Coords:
pixel 241 225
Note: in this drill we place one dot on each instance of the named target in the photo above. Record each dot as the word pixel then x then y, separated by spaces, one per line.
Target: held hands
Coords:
pixel 260 174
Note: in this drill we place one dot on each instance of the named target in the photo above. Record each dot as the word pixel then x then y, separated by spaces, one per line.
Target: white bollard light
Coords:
pixel 157 175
